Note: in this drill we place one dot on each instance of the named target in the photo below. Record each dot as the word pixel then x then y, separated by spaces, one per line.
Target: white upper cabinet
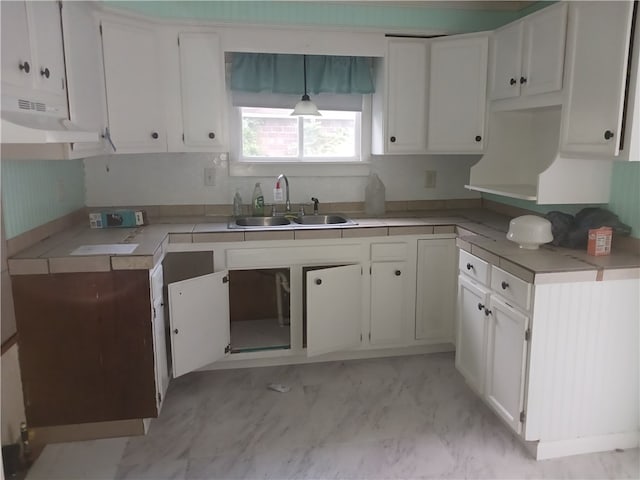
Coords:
pixel 85 75
pixel 596 68
pixel 400 102
pixel 528 55
pixel 47 38
pixel 457 94
pixel 32 55
pixel 202 91
pixel 134 87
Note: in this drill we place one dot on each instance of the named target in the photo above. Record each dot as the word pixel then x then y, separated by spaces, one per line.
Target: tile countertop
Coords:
pixel 481 232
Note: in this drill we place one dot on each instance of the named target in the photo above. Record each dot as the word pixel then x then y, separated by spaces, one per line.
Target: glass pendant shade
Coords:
pixel 305 106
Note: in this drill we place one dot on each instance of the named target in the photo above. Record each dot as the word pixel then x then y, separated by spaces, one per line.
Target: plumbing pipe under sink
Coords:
pixel 281 284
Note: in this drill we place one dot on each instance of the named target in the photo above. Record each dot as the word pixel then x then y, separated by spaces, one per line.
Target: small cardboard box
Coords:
pixel 118 218
pixel 599 241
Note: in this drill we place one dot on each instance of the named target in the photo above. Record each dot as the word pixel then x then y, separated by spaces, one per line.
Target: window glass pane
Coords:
pixel 331 135
pixel 269 132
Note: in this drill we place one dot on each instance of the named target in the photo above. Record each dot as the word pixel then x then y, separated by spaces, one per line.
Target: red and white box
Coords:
pixel 599 241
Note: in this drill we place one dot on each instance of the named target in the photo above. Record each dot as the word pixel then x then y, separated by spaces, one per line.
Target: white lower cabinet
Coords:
pixel 388 306
pixel 556 360
pixel 471 343
pixel 435 290
pixel 200 321
pixel 333 306
pixel 506 361
pixel 159 336
pixel 492 338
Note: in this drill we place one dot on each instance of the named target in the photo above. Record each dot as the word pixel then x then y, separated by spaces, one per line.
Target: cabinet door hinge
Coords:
pixel 227 349
pixel 225 279
pixel 154 312
pixel 100 29
pixel 369 336
pixel 370 269
pixel 159 397
pixel 183 138
pixel 360 337
pixel 178 41
pixel 523 416
pixel 527 335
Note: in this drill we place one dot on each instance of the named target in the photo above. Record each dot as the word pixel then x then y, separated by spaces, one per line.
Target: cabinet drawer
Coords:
pixel 511 287
pixel 388 251
pixel 474 267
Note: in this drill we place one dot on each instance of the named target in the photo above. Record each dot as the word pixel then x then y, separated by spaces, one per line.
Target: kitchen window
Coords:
pixel 273 134
pixel 264 135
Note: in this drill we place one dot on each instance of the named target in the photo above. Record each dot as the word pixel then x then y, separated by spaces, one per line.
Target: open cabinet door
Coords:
pixel 334 309
pixel 199 319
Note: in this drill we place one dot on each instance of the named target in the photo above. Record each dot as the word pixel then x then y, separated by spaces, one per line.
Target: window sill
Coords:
pixel 299 169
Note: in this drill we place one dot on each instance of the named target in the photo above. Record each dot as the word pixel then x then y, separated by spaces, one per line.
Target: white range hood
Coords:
pixel 26 122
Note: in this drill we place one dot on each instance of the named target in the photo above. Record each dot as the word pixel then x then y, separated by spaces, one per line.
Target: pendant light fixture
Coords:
pixel 305 106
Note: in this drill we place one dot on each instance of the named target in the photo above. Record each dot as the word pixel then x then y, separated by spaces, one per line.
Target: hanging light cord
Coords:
pixel 304 75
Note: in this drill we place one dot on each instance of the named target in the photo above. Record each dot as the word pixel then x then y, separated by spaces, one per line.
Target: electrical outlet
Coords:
pixel 430 179
pixel 209 176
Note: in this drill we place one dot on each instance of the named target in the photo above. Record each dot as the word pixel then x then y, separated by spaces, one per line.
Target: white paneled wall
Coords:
pixel 164 179
pixel 584 360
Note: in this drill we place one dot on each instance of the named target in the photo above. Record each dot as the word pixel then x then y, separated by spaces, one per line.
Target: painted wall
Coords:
pixel 35 192
pixel 345 14
pixel 137 180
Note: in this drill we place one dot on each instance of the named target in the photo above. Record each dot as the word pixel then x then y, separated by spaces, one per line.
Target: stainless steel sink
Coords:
pixel 321 220
pixel 261 221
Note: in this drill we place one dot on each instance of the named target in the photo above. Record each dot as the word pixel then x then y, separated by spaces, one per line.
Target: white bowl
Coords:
pixel 530 231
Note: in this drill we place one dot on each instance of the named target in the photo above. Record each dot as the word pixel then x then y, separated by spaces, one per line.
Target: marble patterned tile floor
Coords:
pixel 389 418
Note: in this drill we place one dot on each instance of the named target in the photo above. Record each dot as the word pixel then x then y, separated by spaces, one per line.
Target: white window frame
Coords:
pixel 330 167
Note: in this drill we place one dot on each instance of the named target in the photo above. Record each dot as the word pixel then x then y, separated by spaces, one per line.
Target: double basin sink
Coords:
pixel 281 221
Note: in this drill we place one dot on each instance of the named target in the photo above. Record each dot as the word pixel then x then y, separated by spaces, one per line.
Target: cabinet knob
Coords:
pixel 24 66
pixel 45 72
pixel 478 138
pixel 393 139
pixel 212 135
pixel 608 135
pixel 154 135
pixel 175 331
pixel 504 285
pixel 487 312
pixel 318 281
pixel 469 266
pixel 512 81
pixel 398 273
pixel 523 80
pixel 480 306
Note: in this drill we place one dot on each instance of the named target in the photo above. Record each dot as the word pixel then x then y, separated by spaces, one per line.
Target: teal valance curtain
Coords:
pixel 283 73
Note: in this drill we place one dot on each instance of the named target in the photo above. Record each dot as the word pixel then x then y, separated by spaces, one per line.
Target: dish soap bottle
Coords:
pixel 257 201
pixel 237 204
pixel 374 196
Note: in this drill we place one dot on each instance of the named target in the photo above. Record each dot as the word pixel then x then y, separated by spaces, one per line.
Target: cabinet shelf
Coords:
pixel 523 192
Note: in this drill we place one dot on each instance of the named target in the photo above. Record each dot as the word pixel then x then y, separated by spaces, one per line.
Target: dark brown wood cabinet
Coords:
pixel 86 346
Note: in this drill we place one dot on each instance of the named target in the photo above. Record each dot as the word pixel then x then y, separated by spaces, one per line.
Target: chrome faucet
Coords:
pixel 315 205
pixel 287 205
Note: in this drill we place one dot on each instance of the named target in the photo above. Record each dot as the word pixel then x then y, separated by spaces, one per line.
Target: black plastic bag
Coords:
pixel 574 232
